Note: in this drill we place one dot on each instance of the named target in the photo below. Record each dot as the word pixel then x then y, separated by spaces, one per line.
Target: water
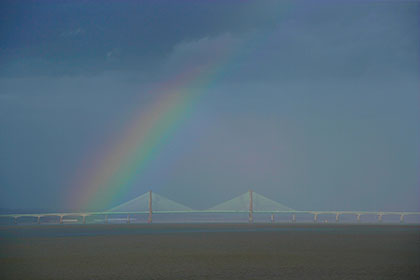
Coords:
pixel 210 251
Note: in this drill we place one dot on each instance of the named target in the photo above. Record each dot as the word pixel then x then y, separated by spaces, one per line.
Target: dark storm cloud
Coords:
pixel 50 37
pixel 300 38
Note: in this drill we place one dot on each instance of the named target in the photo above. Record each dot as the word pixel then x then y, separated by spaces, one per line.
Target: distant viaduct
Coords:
pixel 251 210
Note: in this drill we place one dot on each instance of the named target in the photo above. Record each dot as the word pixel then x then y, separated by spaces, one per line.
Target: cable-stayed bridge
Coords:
pixel 250 203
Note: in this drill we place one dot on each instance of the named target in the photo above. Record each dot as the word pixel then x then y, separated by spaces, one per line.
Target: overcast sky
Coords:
pixel 316 105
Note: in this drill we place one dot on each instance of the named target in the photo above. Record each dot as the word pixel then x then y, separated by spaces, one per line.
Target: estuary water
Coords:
pixel 210 251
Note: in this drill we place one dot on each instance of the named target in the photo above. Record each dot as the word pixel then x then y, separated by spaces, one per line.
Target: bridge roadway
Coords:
pixel 315 214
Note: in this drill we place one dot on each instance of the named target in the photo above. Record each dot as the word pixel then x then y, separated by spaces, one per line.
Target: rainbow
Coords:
pixel 114 168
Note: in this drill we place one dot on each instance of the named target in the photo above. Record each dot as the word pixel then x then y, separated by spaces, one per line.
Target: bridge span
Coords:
pixel 293 215
pixel 249 203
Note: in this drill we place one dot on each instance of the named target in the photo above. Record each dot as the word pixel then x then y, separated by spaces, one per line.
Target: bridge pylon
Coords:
pixel 251 207
pixel 149 219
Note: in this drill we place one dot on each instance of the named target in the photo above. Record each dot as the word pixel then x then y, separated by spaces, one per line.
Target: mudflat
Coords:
pixel 210 251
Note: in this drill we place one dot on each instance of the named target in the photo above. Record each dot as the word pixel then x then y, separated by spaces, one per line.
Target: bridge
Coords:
pixel 250 203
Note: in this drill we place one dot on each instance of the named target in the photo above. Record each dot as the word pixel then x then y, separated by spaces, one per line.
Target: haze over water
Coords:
pixel 312 105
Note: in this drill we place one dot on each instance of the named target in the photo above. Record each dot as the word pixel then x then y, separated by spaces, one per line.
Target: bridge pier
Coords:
pixel 272 218
pixel 128 218
pixel 15 220
pixel 380 217
pixel 61 219
pixel 106 218
pixel 315 217
pixel 358 217
pixel 337 217
pixel 38 220
pixel 294 218
pixel 84 219
pixel 402 218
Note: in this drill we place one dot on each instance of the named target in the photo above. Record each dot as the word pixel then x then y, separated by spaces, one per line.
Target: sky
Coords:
pixel 314 104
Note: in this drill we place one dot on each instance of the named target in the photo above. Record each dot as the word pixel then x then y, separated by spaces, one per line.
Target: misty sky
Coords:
pixel 317 106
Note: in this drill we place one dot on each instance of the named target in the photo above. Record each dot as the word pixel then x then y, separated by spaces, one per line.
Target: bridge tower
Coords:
pixel 251 206
pixel 149 220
